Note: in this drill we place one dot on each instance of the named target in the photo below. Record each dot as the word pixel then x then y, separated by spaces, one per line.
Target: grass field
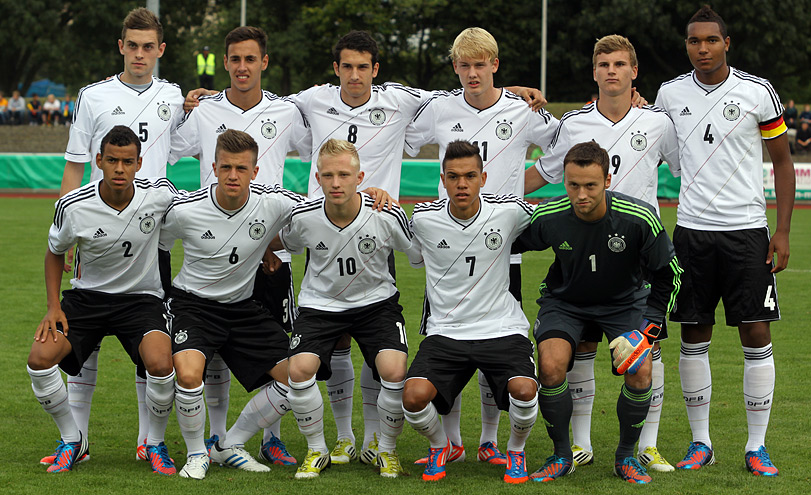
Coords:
pixel 28 433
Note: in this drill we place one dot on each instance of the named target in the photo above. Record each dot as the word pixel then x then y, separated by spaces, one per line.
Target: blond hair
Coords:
pixel 335 147
pixel 614 43
pixel 474 43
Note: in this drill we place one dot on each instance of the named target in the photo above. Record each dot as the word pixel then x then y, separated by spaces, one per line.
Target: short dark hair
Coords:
pixel 233 141
pixel 142 19
pixel 120 135
pixel 706 14
pixel 585 154
pixel 359 41
pixel 462 149
pixel 245 33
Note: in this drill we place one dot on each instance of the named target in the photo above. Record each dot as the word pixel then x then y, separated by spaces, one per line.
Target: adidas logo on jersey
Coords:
pixel 321 246
pixel 565 246
pixel 221 129
pixel 443 245
pixel 685 112
pixel 117 111
pixel 207 235
pixel 99 233
pixel 332 111
pixel 457 128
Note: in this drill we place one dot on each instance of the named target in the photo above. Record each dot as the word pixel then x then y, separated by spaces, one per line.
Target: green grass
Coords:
pixel 28 433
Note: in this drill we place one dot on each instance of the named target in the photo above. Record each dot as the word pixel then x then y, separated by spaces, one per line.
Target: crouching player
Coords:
pixel 225 229
pixel 347 289
pixel 475 323
pixel 116 290
pixel 602 240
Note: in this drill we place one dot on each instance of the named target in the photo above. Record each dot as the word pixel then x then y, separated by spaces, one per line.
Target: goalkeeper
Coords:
pixel 603 241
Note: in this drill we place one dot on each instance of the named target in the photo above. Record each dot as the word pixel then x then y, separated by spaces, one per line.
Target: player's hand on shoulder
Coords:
pixel 193 96
pixel 48 325
pixel 779 247
pixel 532 96
pixel 382 198
pixel 630 349
pixel 636 99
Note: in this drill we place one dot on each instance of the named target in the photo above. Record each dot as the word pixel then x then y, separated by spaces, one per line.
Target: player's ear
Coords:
pixel 121 47
pixel 161 49
pixel 265 61
pixel 318 179
pixel 335 68
pixel 726 44
pixel 214 166
pixel 140 162
pixel 495 65
pixel 98 160
pixel 442 179
pixel 255 171
pixel 360 176
pixel 608 181
pixel 375 69
pixel 484 177
pixel 634 72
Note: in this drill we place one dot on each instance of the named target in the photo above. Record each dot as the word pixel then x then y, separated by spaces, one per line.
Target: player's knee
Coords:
pixel 159 367
pixel 522 389
pixel 551 372
pixel 642 378
pixel 415 397
pixel 37 361
pixel 189 378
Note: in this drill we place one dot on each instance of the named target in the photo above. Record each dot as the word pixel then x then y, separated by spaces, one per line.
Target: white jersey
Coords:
pixel 221 249
pixel 376 128
pixel 118 250
pixel 467 267
pixel 502 131
pixel 153 114
pixel 274 123
pixel 720 152
pixel 348 266
pixel 636 145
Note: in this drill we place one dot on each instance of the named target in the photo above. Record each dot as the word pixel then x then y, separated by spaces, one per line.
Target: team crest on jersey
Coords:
pixel 493 240
pixel 147 224
pixel 367 244
pixel 377 116
pixel 295 341
pixel 638 141
pixel 731 111
pixel 181 337
pixel 268 129
pixel 164 112
pixel 257 229
pixel 504 130
pixel 616 243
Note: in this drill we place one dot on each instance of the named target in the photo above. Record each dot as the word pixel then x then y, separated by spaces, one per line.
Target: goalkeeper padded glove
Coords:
pixel 631 348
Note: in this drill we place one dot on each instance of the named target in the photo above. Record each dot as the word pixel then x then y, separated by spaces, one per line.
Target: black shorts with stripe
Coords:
pixel 277 293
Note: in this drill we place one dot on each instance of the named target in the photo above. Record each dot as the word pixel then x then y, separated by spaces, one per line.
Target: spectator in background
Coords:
pixel 51 110
pixel 205 68
pixel 803 142
pixel 805 116
pixel 67 110
pixel 16 106
pixel 34 110
pixel 3 109
pixel 790 115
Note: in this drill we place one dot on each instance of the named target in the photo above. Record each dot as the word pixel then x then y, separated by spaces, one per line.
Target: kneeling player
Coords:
pixel 116 290
pixel 602 240
pixel 475 322
pixel 347 288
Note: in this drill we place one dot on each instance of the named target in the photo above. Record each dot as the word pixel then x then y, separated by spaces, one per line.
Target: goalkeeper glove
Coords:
pixel 631 348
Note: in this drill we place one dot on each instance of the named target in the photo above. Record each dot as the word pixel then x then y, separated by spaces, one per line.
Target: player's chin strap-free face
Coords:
pixel 631 348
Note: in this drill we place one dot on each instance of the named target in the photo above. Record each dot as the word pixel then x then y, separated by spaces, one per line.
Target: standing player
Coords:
pixel 602 241
pixel 721 235
pixel 637 140
pixel 113 220
pixel 278 127
pixel 152 108
pixel 225 229
pixel 475 323
pixel 498 122
pixel 347 288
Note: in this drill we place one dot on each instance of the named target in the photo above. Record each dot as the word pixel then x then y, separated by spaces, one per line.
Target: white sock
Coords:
pixel 650 431
pixel 369 390
pixel 522 417
pixel 696 388
pixel 583 389
pixel 191 417
pixel 50 391
pixel 390 412
pixel 308 409
pixel 80 391
pixel 160 395
pixel 275 430
pixel 143 411
pixel 340 388
pixel 490 412
pixel 451 422
pixel 265 408
pixel 218 384
pixel 758 392
pixel 427 424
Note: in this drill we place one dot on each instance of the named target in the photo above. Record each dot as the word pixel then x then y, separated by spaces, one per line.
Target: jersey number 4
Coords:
pixel 708 135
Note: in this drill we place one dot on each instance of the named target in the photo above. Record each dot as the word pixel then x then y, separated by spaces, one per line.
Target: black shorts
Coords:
pixel 729 266
pixel 449 364
pixel 244 334
pixel 277 293
pixel 376 327
pixel 92 315
pixel 593 333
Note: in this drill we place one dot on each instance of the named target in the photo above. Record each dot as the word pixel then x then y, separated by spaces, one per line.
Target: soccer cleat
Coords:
pixel 516 467
pixel 275 452
pixel 343 452
pixel 159 459
pixel 313 464
pixel 581 457
pixel 210 442
pixel 67 454
pixel 389 463
pixel 457 455
pixel 630 470
pixel 140 452
pixel 236 457
pixel 488 452
pixel 553 468
pixel 49 459
pixel 759 463
pixel 369 454
pixel 435 466
pixel 698 456
pixel 196 467
pixel 653 460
